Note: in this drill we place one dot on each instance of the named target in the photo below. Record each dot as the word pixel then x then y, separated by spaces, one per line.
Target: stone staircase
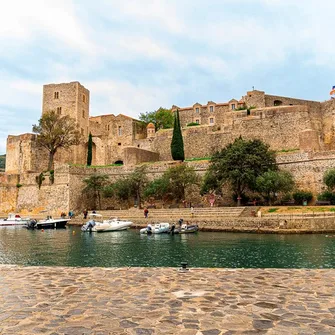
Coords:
pixel 168 214
pixel 214 213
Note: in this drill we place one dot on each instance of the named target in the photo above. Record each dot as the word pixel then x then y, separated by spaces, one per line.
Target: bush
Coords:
pixel 192 124
pixel 301 196
pixel 327 196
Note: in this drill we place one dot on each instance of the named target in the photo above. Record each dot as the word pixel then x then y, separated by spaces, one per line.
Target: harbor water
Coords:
pixel 71 247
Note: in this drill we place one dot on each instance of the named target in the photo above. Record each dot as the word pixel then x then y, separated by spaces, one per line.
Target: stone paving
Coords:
pixel 145 301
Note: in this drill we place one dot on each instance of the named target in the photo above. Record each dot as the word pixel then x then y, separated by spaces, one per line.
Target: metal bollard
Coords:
pixel 183 266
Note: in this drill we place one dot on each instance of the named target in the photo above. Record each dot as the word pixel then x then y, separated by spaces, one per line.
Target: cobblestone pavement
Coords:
pixel 141 301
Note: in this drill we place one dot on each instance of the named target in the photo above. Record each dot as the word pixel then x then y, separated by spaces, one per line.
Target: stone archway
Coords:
pixel 277 103
pixel 119 162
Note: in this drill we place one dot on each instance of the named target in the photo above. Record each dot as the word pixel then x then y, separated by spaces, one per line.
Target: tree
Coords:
pixel 137 181
pixel 177 144
pixel 157 189
pixel 89 150
pixel 162 118
pixel 329 179
pixel 54 132
pixel 173 184
pixel 95 184
pixel 272 182
pixel 130 187
pixel 239 164
pixel 180 177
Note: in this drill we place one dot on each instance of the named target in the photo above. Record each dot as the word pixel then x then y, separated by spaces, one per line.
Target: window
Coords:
pixel 84 98
pixel 83 114
pixel 197 121
pixel 59 110
pixel 233 106
pixel 211 120
pixel 197 110
pixel 119 144
pixel 56 95
pixel 108 127
pixel 120 131
pixel 211 109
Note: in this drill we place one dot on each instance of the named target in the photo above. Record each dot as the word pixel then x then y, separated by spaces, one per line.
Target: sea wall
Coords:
pixel 262 225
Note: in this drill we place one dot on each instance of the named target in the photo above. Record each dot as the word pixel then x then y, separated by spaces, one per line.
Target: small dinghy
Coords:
pixel 97 224
pixel 158 228
pixel 186 229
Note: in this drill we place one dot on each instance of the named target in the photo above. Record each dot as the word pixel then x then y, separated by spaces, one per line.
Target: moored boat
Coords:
pixel 48 223
pixel 14 220
pixel 158 228
pixel 112 224
pixel 186 229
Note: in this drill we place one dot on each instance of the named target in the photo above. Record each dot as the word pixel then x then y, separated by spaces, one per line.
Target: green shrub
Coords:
pixel 39 179
pixel 18 185
pixel 301 196
pixel 52 176
pixel 192 124
pixel 272 210
pixel 327 196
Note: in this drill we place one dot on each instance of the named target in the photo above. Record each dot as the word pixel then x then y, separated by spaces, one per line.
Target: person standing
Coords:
pixel 85 212
pixel 146 212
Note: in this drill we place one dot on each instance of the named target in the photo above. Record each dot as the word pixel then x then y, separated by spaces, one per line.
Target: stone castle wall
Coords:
pixel 278 126
pixel 66 193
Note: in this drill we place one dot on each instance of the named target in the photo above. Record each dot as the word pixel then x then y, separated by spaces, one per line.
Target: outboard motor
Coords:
pixel 32 224
pixel 149 229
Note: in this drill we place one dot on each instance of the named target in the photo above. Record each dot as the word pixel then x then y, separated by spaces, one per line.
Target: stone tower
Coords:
pixel 151 130
pixel 71 99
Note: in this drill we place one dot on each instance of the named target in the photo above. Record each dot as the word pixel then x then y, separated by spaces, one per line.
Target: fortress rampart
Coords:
pixel 301 131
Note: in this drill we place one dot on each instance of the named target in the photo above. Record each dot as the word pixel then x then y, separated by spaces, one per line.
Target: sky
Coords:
pixel 138 55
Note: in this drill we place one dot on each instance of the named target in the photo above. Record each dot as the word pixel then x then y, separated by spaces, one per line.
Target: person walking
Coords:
pixel 146 212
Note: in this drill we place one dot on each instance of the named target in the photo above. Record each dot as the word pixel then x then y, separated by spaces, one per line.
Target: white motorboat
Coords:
pixel 97 224
pixel 158 228
pixel 14 220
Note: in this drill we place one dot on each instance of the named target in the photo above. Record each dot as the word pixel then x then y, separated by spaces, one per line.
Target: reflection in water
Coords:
pixel 129 248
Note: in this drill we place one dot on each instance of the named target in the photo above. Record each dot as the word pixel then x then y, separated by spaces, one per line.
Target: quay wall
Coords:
pixel 20 192
pixel 261 225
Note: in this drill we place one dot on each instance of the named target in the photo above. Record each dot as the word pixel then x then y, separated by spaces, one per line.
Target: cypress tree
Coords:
pixel 177 144
pixel 89 150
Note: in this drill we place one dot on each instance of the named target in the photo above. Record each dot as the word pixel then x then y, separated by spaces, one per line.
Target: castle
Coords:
pixel 284 123
pixel 301 131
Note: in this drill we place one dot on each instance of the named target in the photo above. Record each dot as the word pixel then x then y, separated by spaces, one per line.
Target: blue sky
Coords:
pixel 137 55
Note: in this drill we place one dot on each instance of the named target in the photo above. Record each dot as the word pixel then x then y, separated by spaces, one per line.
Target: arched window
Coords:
pixel 277 103
pixel 119 162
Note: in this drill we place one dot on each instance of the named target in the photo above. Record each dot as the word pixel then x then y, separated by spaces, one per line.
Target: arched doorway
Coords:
pixel 277 103
pixel 119 162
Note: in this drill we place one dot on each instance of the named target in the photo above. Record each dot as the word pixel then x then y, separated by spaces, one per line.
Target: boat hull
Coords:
pixel 61 224
pixel 105 227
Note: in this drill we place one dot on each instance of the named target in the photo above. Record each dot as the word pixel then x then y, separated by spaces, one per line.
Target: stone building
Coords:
pixel 301 131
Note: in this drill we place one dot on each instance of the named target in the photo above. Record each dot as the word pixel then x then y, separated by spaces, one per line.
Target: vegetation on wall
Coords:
pixel 54 132
pixel 192 124
pixel 2 162
pixel 177 143
pixel 162 118
pixel 39 179
pixel 89 150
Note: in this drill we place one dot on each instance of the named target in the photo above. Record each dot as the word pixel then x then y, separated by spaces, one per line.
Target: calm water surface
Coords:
pixel 71 247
